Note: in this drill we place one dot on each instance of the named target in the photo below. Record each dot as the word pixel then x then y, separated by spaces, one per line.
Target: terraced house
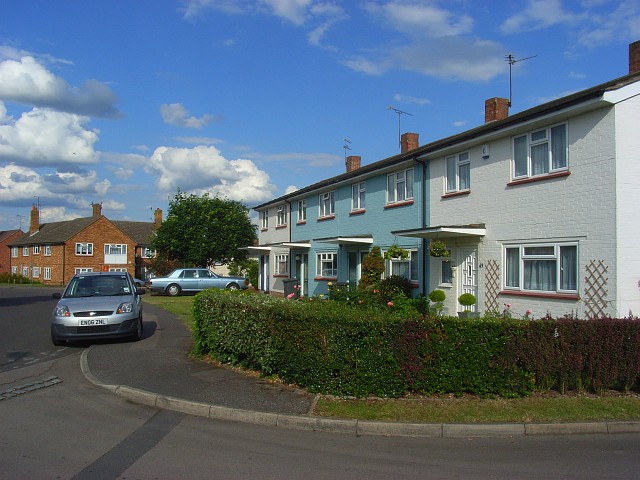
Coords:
pixel 54 252
pixel 536 211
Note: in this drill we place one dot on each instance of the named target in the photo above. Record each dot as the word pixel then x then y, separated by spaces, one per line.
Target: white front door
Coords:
pixel 468 282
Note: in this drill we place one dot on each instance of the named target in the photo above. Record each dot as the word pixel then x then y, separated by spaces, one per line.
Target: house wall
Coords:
pixel 5 251
pixel 272 236
pixel 579 207
pixel 54 261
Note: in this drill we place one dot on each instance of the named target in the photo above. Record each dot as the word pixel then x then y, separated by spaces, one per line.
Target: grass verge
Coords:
pixel 540 407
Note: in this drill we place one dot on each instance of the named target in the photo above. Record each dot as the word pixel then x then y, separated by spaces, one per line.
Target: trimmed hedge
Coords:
pixel 335 348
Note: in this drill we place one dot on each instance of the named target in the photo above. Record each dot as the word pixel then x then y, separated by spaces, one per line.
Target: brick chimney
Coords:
pixel 409 141
pixel 157 218
pixel 634 57
pixel 496 109
pixel 34 226
pixel 97 209
pixel 353 163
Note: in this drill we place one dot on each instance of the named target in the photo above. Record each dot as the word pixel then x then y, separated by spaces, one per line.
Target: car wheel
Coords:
pixel 233 286
pixel 138 333
pixel 57 342
pixel 173 290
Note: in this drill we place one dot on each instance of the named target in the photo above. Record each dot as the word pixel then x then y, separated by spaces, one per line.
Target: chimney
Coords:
pixel 353 163
pixel 34 226
pixel 496 109
pixel 97 209
pixel 157 218
pixel 634 57
pixel 408 141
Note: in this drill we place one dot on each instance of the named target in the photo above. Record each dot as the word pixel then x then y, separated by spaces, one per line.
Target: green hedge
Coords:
pixel 335 348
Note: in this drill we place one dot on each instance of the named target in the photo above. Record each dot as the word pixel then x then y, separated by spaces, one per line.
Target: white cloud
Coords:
pixel 28 82
pixel 290 189
pixel 399 97
pixel 294 11
pixel 175 114
pixel 203 169
pixel 46 137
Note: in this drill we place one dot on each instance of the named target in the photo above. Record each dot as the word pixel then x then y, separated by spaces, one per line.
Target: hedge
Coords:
pixel 335 348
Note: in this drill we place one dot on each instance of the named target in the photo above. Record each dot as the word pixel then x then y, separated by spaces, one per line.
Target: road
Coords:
pixel 73 429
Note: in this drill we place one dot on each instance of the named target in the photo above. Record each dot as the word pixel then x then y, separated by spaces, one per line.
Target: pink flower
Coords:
pixel 529 312
pixel 389 304
pixel 376 291
pixel 291 295
pixel 508 305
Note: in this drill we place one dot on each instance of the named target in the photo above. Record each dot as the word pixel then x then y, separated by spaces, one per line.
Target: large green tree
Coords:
pixel 202 231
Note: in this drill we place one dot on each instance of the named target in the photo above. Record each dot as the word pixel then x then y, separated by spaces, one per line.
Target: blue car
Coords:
pixel 194 280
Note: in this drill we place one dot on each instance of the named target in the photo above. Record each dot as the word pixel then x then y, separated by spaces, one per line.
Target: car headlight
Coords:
pixel 126 307
pixel 62 311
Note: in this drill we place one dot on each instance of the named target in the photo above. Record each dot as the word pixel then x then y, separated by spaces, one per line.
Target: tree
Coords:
pixel 245 268
pixel 201 231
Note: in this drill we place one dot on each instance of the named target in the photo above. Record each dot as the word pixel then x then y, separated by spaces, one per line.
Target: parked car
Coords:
pixel 97 305
pixel 195 280
pixel 140 283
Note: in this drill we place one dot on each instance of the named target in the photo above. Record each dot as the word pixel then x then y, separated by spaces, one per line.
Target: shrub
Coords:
pixel 372 268
pixel 467 300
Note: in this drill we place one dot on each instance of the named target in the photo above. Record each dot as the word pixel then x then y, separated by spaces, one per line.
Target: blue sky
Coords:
pixel 122 102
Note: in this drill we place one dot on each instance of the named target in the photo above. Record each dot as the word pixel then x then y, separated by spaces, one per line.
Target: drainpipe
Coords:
pixel 425 222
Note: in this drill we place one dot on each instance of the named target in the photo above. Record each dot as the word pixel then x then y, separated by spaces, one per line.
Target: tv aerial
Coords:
pixel 346 147
pixel 511 60
pixel 400 113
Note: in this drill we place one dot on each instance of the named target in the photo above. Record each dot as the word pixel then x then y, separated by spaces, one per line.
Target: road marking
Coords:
pixel 29 387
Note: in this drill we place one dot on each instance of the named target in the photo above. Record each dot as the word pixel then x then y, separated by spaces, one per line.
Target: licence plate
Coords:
pixel 89 322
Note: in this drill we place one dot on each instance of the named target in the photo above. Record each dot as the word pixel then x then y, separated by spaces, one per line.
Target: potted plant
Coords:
pixel 437 297
pixel 438 249
pixel 394 251
pixel 467 300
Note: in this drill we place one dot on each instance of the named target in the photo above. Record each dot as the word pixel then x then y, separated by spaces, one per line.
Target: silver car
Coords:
pixel 195 280
pixel 98 305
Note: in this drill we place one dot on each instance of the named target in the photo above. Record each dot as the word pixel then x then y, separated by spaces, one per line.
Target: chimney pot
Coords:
pixel 496 109
pixel 409 141
pixel 634 57
pixel 353 163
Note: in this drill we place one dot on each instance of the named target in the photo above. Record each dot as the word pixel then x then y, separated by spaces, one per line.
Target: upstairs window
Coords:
pixel 264 219
pixel 84 249
pixel 540 152
pixel 357 196
pixel 302 211
pixel 36 249
pixel 400 186
pixel 25 251
pixel 458 173
pixel 115 249
pixel 327 205
pixel 148 252
pixel 14 252
pixel 47 250
pixel 282 216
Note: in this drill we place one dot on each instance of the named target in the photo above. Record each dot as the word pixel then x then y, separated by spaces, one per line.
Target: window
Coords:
pixel 400 186
pixel 407 267
pixel 115 249
pixel 148 252
pixel 14 252
pixel 25 251
pixel 446 270
pixel 357 196
pixel 302 211
pixel 327 205
pixel 540 152
pixel 264 219
pixel 36 249
pixel 83 270
pixel 35 271
pixel 542 268
pixel 47 250
pixel 458 173
pixel 25 271
pixel 14 270
pixel 84 249
pixel 47 273
pixel 282 265
pixel 282 216
pixel 327 265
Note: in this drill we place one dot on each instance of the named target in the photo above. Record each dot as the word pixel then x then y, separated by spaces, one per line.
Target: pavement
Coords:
pixel 158 371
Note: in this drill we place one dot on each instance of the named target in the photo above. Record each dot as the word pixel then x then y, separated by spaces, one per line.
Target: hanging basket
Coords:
pixel 394 251
pixel 438 249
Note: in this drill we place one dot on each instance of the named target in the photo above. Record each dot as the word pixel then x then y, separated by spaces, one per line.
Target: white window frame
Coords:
pixel 534 142
pixel 302 211
pixel 458 173
pixel 25 251
pixel 115 248
pixel 14 269
pixel 35 272
pixel 148 252
pixel 36 249
pixel 264 219
pixel 14 252
pixel 327 265
pixel 526 253
pixel 400 186
pixel 25 272
pixel 117 269
pixel 281 264
pixel 412 266
pixel 281 219
pixel 446 271
pixel 84 249
pixel 47 273
pixel 357 196
pixel 326 204
pixel 83 270
pixel 47 250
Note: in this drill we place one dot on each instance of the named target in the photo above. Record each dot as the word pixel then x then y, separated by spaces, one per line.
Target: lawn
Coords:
pixel 540 407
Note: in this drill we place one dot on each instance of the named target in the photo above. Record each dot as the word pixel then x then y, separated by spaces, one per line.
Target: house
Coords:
pixel 6 237
pixel 54 252
pixel 536 210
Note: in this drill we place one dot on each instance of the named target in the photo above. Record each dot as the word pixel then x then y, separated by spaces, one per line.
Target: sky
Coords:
pixel 125 102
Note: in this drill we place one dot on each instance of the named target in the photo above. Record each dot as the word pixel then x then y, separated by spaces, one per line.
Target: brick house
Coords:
pixel 51 253
pixel 6 237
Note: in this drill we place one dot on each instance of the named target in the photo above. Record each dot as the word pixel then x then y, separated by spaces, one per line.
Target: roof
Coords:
pixel 141 232
pixel 7 234
pixel 590 94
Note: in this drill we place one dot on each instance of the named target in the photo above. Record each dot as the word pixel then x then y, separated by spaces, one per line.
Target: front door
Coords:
pixel 355 267
pixel 468 275
pixel 301 272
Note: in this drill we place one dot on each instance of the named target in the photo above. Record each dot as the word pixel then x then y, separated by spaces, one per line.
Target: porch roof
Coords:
pixel 256 250
pixel 296 244
pixel 444 231
pixel 363 240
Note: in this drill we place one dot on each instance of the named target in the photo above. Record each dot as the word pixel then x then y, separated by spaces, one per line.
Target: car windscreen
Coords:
pixel 98 286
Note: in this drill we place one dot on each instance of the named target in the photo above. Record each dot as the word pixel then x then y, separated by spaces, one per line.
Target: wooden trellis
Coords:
pixel 492 285
pixel 595 289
